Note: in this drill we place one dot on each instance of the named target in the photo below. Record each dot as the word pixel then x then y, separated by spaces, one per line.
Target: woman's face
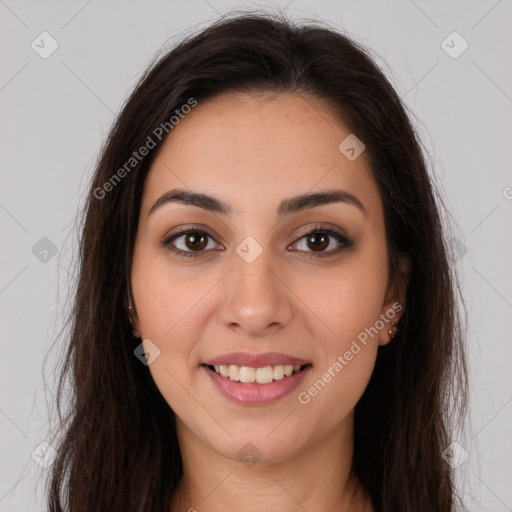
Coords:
pixel 252 281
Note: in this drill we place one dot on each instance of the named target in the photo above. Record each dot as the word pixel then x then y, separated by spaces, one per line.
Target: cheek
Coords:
pixel 167 301
pixel 328 399
pixel 169 313
pixel 346 301
pixel 168 309
pixel 343 310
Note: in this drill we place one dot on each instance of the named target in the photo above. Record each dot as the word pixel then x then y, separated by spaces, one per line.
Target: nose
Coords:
pixel 256 300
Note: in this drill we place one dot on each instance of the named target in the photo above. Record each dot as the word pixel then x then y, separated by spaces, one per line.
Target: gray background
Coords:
pixel 55 113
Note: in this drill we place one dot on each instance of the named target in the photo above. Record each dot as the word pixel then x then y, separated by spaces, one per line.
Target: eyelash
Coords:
pixel 317 229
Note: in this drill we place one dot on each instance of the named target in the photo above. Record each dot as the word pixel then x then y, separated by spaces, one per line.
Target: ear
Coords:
pixel 132 316
pixel 394 304
pixel 134 321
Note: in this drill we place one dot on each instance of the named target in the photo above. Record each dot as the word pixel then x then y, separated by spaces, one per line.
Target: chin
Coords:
pixel 258 448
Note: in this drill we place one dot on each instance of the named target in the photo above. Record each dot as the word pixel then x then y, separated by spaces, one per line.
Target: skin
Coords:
pixel 253 151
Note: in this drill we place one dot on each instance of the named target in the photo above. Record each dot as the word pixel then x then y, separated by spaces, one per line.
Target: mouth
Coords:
pixel 252 375
pixel 251 386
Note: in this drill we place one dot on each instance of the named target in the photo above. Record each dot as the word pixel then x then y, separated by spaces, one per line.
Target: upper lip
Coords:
pixel 256 360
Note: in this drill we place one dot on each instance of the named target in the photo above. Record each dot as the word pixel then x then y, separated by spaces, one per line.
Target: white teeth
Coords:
pixel 278 372
pixel 262 375
pixel 234 372
pixel 288 369
pixel 247 374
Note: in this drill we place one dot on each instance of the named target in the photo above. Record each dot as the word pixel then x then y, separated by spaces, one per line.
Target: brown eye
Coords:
pixel 319 241
pixel 196 241
pixel 188 242
pixel 316 241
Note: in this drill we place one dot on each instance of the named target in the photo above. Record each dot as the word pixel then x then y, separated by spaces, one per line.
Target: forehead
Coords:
pixel 257 148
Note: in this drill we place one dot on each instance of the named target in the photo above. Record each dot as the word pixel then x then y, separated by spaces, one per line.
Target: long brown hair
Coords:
pixel 117 447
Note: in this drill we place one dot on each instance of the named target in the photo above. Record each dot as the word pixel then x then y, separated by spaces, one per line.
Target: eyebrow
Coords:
pixel 291 205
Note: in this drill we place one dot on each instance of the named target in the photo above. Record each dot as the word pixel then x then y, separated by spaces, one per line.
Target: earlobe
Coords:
pixel 393 330
pixel 134 322
pixel 132 312
pixel 391 327
pixel 396 302
pixel 386 335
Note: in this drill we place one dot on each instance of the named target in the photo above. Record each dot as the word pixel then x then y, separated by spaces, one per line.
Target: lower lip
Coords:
pixel 254 393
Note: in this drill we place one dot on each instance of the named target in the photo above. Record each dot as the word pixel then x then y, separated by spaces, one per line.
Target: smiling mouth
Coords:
pixel 251 375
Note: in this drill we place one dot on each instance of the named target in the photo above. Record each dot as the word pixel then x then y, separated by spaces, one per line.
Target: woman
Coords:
pixel 266 315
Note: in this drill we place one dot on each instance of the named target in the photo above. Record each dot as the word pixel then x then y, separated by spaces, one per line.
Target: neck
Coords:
pixel 319 478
